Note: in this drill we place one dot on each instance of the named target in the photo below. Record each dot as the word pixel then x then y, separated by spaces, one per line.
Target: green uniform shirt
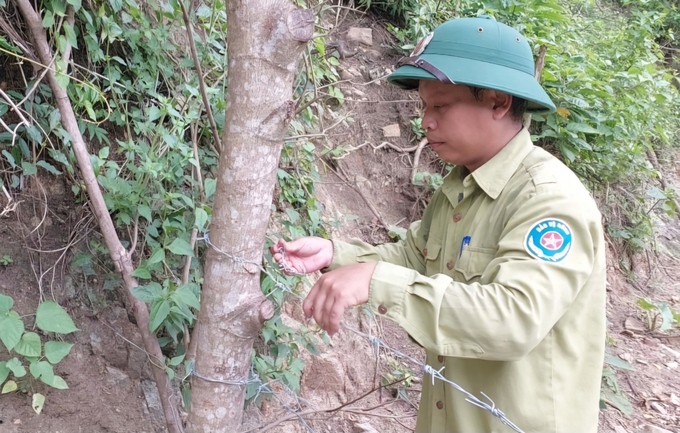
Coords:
pixel 503 283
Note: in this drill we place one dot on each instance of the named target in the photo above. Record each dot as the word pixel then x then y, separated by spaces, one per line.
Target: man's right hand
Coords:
pixel 304 255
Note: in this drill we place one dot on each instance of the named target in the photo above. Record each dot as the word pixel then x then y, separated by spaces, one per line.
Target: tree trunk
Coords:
pixel 266 40
pixel 120 256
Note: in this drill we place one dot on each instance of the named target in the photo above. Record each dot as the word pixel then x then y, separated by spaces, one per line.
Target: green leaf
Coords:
pixel 55 351
pixel 18 370
pixel 75 3
pixel 181 248
pixel 58 383
pixel 145 211
pixel 71 35
pixel 10 386
pixel 149 293
pixel 582 127
pixel 48 19
pixel 209 187
pixel 10 158
pixel 615 361
pixel 141 272
pixel 4 371
pixel 49 167
pixel 28 168
pixel 6 302
pixel 51 317
pixel 185 295
pixel 29 345
pixel 667 316
pixel 42 370
pixel 201 218
pixel 646 304
pixel 11 328
pixel 158 313
pixel 38 402
pixel 176 360
pixel 157 256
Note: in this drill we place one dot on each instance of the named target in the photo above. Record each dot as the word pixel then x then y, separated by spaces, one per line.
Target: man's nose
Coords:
pixel 428 122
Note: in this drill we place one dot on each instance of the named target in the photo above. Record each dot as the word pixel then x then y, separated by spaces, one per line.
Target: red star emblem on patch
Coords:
pixel 552 241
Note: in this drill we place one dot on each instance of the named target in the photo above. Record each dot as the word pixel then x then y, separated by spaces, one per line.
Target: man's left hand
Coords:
pixel 336 291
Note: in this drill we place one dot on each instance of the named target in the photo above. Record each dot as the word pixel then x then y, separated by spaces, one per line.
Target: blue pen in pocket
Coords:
pixel 466 241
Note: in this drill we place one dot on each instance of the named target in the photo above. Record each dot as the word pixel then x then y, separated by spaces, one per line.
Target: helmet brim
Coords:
pixel 478 74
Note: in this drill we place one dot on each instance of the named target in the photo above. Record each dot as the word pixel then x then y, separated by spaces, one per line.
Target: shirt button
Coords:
pixel 440 358
pixel 457 217
pixel 425 252
pixel 449 265
pixel 440 405
pixel 382 309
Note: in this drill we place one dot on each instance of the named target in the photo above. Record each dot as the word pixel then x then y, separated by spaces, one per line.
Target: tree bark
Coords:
pixel 120 256
pixel 266 40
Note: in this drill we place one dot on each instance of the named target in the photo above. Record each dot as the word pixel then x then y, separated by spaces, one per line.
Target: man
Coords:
pixel 503 280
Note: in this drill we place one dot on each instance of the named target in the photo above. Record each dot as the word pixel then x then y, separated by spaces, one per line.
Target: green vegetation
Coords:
pixel 29 349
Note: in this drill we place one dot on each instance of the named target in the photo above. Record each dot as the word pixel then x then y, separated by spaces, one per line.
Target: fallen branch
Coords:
pixel 121 257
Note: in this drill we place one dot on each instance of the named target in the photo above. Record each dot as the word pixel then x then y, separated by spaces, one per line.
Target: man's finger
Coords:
pixel 319 302
pixel 308 304
pixel 335 317
pixel 330 301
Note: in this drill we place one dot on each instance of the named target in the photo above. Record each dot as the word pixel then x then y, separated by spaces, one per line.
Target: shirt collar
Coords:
pixel 496 172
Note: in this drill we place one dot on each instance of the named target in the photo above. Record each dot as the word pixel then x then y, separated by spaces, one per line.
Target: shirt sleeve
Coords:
pixel 519 297
pixel 406 253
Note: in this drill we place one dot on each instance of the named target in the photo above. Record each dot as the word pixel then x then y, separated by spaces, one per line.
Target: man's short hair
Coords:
pixel 517 107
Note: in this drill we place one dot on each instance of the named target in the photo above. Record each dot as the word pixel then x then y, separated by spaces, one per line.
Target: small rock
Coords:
pixel 659 408
pixel 153 402
pixel 650 428
pixel 360 34
pixel 345 75
pixel 374 54
pixel 116 376
pixel 17 421
pixel 634 325
pixel 674 352
pixel 69 287
pixel 675 400
pixel 358 93
pixel 672 365
pixel 96 344
pixel 619 429
pixel 364 427
pixel 626 357
pixel 376 73
pixel 392 130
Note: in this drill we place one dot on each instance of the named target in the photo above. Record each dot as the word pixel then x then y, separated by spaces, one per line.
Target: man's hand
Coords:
pixel 304 255
pixel 336 291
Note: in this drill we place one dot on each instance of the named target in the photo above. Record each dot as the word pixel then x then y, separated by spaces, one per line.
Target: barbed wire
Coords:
pixel 377 343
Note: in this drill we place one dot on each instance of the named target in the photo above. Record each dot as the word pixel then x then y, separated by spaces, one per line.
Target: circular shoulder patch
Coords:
pixel 549 240
pixel 421 45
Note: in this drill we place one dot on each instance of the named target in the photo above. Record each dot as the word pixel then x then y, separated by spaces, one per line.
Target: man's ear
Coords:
pixel 500 102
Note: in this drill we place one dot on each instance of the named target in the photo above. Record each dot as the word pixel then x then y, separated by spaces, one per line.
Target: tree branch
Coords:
pixel 201 82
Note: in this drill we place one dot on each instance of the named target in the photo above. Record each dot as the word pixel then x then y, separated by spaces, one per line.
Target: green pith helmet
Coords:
pixel 478 52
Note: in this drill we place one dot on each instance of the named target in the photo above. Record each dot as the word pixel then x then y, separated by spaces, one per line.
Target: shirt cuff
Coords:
pixel 343 254
pixel 388 288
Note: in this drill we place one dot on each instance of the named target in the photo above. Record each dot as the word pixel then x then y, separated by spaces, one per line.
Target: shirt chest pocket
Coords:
pixel 473 262
pixel 431 253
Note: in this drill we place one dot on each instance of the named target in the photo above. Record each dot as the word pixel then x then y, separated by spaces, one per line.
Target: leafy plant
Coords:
pixel 30 351
pixel 659 316
pixel 611 393
pixel 6 260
